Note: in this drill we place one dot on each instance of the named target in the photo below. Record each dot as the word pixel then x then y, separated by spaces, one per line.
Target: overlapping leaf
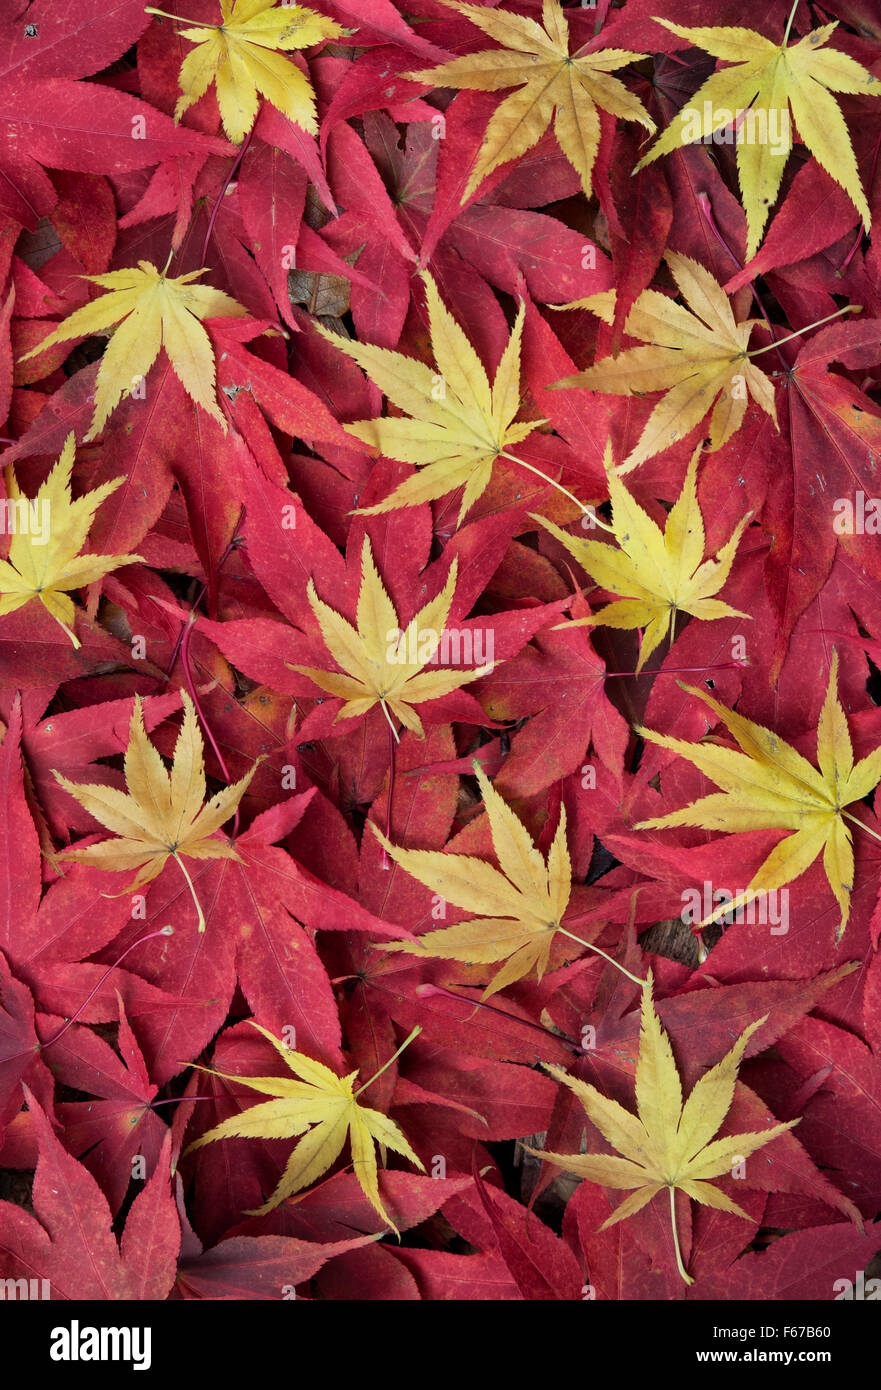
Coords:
pixel 241 56
pixel 662 573
pixel 324 1108
pixel 770 786
pixel 670 1143
pixel 48 534
pixel 460 424
pixel 766 81
pixel 698 356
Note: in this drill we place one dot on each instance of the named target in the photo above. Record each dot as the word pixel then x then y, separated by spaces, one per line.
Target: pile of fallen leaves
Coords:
pixel 440 631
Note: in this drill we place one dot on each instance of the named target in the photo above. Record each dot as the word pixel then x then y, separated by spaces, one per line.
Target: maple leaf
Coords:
pixel 668 1143
pixel 153 311
pixel 162 813
pixel 522 906
pixel 50 530
pixel 695 357
pixel 327 1106
pixel 768 785
pixel 72 1244
pixel 117 1121
pixel 460 424
pixel 767 80
pixel 254 1266
pixel 662 572
pixel 384 663
pixel 50 121
pixel 241 56
pixel 552 85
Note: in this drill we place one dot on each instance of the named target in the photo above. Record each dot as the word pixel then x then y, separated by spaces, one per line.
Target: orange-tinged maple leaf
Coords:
pixel 152 311
pixel 700 359
pixel 163 814
pixel 380 662
pixel 552 85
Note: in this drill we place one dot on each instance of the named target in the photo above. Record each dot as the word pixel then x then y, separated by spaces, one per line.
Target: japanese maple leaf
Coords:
pixel 163 812
pixel 72 742
pixel 20 1058
pixel 667 1143
pixel 769 786
pixel 49 120
pixel 552 85
pixel 767 80
pixel 47 938
pixel 241 55
pixel 72 1244
pixel 252 1267
pixel 325 1105
pixel 662 572
pixel 117 1122
pixel 460 424
pixel 383 663
pixel 50 530
pixel 153 311
pixel 521 907
pixel 834 439
pixel 697 358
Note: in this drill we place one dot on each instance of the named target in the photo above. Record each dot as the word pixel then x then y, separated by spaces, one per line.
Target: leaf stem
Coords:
pixel 678 670
pixel 385 1066
pixel 862 825
pixel 183 868
pixel 163 931
pixel 222 194
pixel 635 978
pixel 425 991
pixel 848 309
pixel 386 861
pixel 397 736
pixel 233 541
pixel 586 511
pixel 679 1265
pixel 191 686
pixel 789 24
pixel 179 19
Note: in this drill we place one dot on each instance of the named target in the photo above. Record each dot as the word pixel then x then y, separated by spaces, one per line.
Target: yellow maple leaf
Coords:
pixel 153 311
pixel 325 1105
pixel 241 56
pixel 662 572
pixel 768 786
pixel 697 358
pixel 460 424
pixel 552 83
pixel 668 1143
pixel 767 80
pixel 521 907
pixel 383 663
pixel 162 814
pixel 50 531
